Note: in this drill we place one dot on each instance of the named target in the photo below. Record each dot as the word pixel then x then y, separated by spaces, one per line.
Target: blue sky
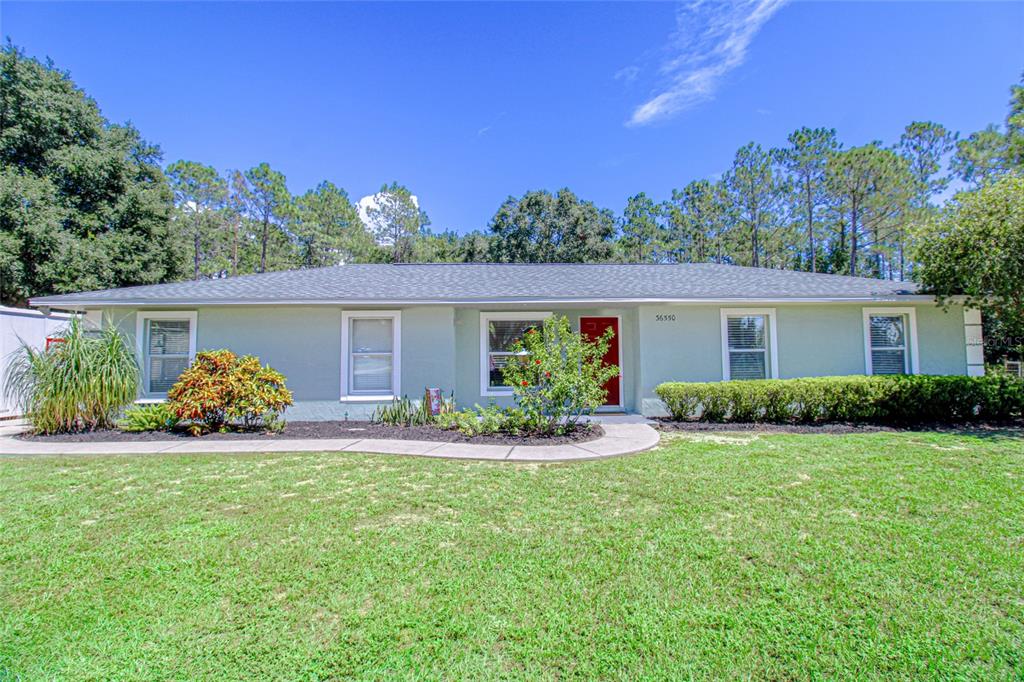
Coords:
pixel 468 103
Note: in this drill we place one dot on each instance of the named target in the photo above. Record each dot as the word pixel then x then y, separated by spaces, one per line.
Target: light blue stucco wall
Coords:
pixel 813 340
pixel 440 346
pixel 304 344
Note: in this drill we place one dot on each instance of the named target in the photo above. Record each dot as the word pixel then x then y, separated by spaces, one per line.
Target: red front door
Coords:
pixel 594 327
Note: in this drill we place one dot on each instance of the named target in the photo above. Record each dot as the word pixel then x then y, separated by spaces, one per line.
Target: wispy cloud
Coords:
pixel 711 39
pixel 627 74
pixel 487 128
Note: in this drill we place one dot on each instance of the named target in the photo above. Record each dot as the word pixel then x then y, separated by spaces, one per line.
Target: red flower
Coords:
pixel 537 362
pixel 547 374
pixel 525 382
pixel 531 331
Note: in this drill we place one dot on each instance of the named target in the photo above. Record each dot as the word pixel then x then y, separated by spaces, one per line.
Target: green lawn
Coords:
pixel 779 557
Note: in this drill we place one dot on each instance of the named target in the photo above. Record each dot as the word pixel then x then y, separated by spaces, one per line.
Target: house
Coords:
pixel 351 337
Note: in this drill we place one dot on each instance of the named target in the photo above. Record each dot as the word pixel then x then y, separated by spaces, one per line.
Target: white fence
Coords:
pixel 17 326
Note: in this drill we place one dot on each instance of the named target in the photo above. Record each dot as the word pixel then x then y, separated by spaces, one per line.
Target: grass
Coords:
pixel 862 556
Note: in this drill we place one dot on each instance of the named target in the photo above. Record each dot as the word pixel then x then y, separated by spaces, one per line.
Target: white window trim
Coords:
pixel 773 338
pixel 485 318
pixel 913 366
pixel 140 335
pixel 348 395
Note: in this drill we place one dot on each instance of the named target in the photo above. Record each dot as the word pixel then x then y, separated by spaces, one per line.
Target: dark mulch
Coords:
pixel 665 424
pixel 349 429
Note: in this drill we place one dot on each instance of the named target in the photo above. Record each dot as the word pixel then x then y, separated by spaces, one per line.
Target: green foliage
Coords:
pixel 328 230
pixel 404 412
pixel 805 162
pixel 81 383
pixel 541 227
pixel 396 220
pixel 83 202
pixel 220 389
pixel 200 200
pixel 975 248
pixel 559 374
pixel 488 420
pixel 875 188
pixel 753 190
pixel 642 238
pixel 899 400
pixel 696 221
pixel 262 196
pixel 152 417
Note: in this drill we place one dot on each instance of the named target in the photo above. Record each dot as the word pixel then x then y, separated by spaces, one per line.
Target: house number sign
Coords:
pixel 664 318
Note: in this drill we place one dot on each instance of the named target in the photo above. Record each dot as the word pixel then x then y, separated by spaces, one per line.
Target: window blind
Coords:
pixel 167 350
pixel 747 339
pixel 501 334
pixel 372 360
pixel 887 335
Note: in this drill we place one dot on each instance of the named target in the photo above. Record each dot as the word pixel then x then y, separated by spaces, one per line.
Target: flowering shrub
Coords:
pixel 221 388
pixel 560 375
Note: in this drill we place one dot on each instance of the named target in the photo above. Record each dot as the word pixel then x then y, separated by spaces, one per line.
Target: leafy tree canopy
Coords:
pixel 975 248
pixel 541 227
pixel 84 203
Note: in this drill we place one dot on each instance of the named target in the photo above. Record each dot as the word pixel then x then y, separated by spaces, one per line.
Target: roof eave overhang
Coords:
pixel 82 304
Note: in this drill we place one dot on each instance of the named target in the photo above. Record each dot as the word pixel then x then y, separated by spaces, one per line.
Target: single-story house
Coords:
pixel 351 337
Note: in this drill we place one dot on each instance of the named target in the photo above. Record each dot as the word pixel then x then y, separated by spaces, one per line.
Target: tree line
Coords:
pixel 86 204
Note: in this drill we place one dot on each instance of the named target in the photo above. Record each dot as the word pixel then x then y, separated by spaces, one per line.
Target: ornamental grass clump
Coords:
pixel 558 375
pixel 220 389
pixel 80 383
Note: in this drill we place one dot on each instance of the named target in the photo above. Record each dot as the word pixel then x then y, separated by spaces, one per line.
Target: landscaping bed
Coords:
pixel 326 429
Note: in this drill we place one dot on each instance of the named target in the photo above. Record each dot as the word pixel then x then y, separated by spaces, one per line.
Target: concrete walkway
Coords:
pixel 621 438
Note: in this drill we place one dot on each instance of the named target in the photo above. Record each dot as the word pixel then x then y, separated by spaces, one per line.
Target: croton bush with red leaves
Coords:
pixel 220 389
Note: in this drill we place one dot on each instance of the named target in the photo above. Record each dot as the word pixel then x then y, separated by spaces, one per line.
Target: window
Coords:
pixel 890 341
pixel 748 344
pixel 371 348
pixel 166 343
pixel 498 331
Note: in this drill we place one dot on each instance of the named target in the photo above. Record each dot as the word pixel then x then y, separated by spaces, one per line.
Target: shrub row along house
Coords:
pixel 352 337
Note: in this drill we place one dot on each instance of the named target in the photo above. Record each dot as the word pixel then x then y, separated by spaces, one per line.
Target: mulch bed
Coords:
pixel 315 430
pixel 669 425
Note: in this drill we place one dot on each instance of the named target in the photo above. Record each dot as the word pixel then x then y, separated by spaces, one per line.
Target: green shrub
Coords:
pixel 220 388
pixel 404 412
pixel 559 376
pixel 81 383
pixel 487 420
pixel 152 417
pixel 897 400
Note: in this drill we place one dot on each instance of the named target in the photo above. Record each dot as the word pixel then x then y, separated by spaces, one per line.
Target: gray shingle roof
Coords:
pixel 497 282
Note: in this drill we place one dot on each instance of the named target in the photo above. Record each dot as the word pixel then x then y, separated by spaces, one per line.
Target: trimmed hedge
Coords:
pixel 913 399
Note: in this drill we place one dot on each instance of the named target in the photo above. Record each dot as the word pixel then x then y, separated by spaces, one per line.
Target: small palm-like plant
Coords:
pixel 78 384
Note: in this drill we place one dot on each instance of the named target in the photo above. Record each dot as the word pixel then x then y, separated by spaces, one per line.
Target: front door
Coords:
pixel 594 327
